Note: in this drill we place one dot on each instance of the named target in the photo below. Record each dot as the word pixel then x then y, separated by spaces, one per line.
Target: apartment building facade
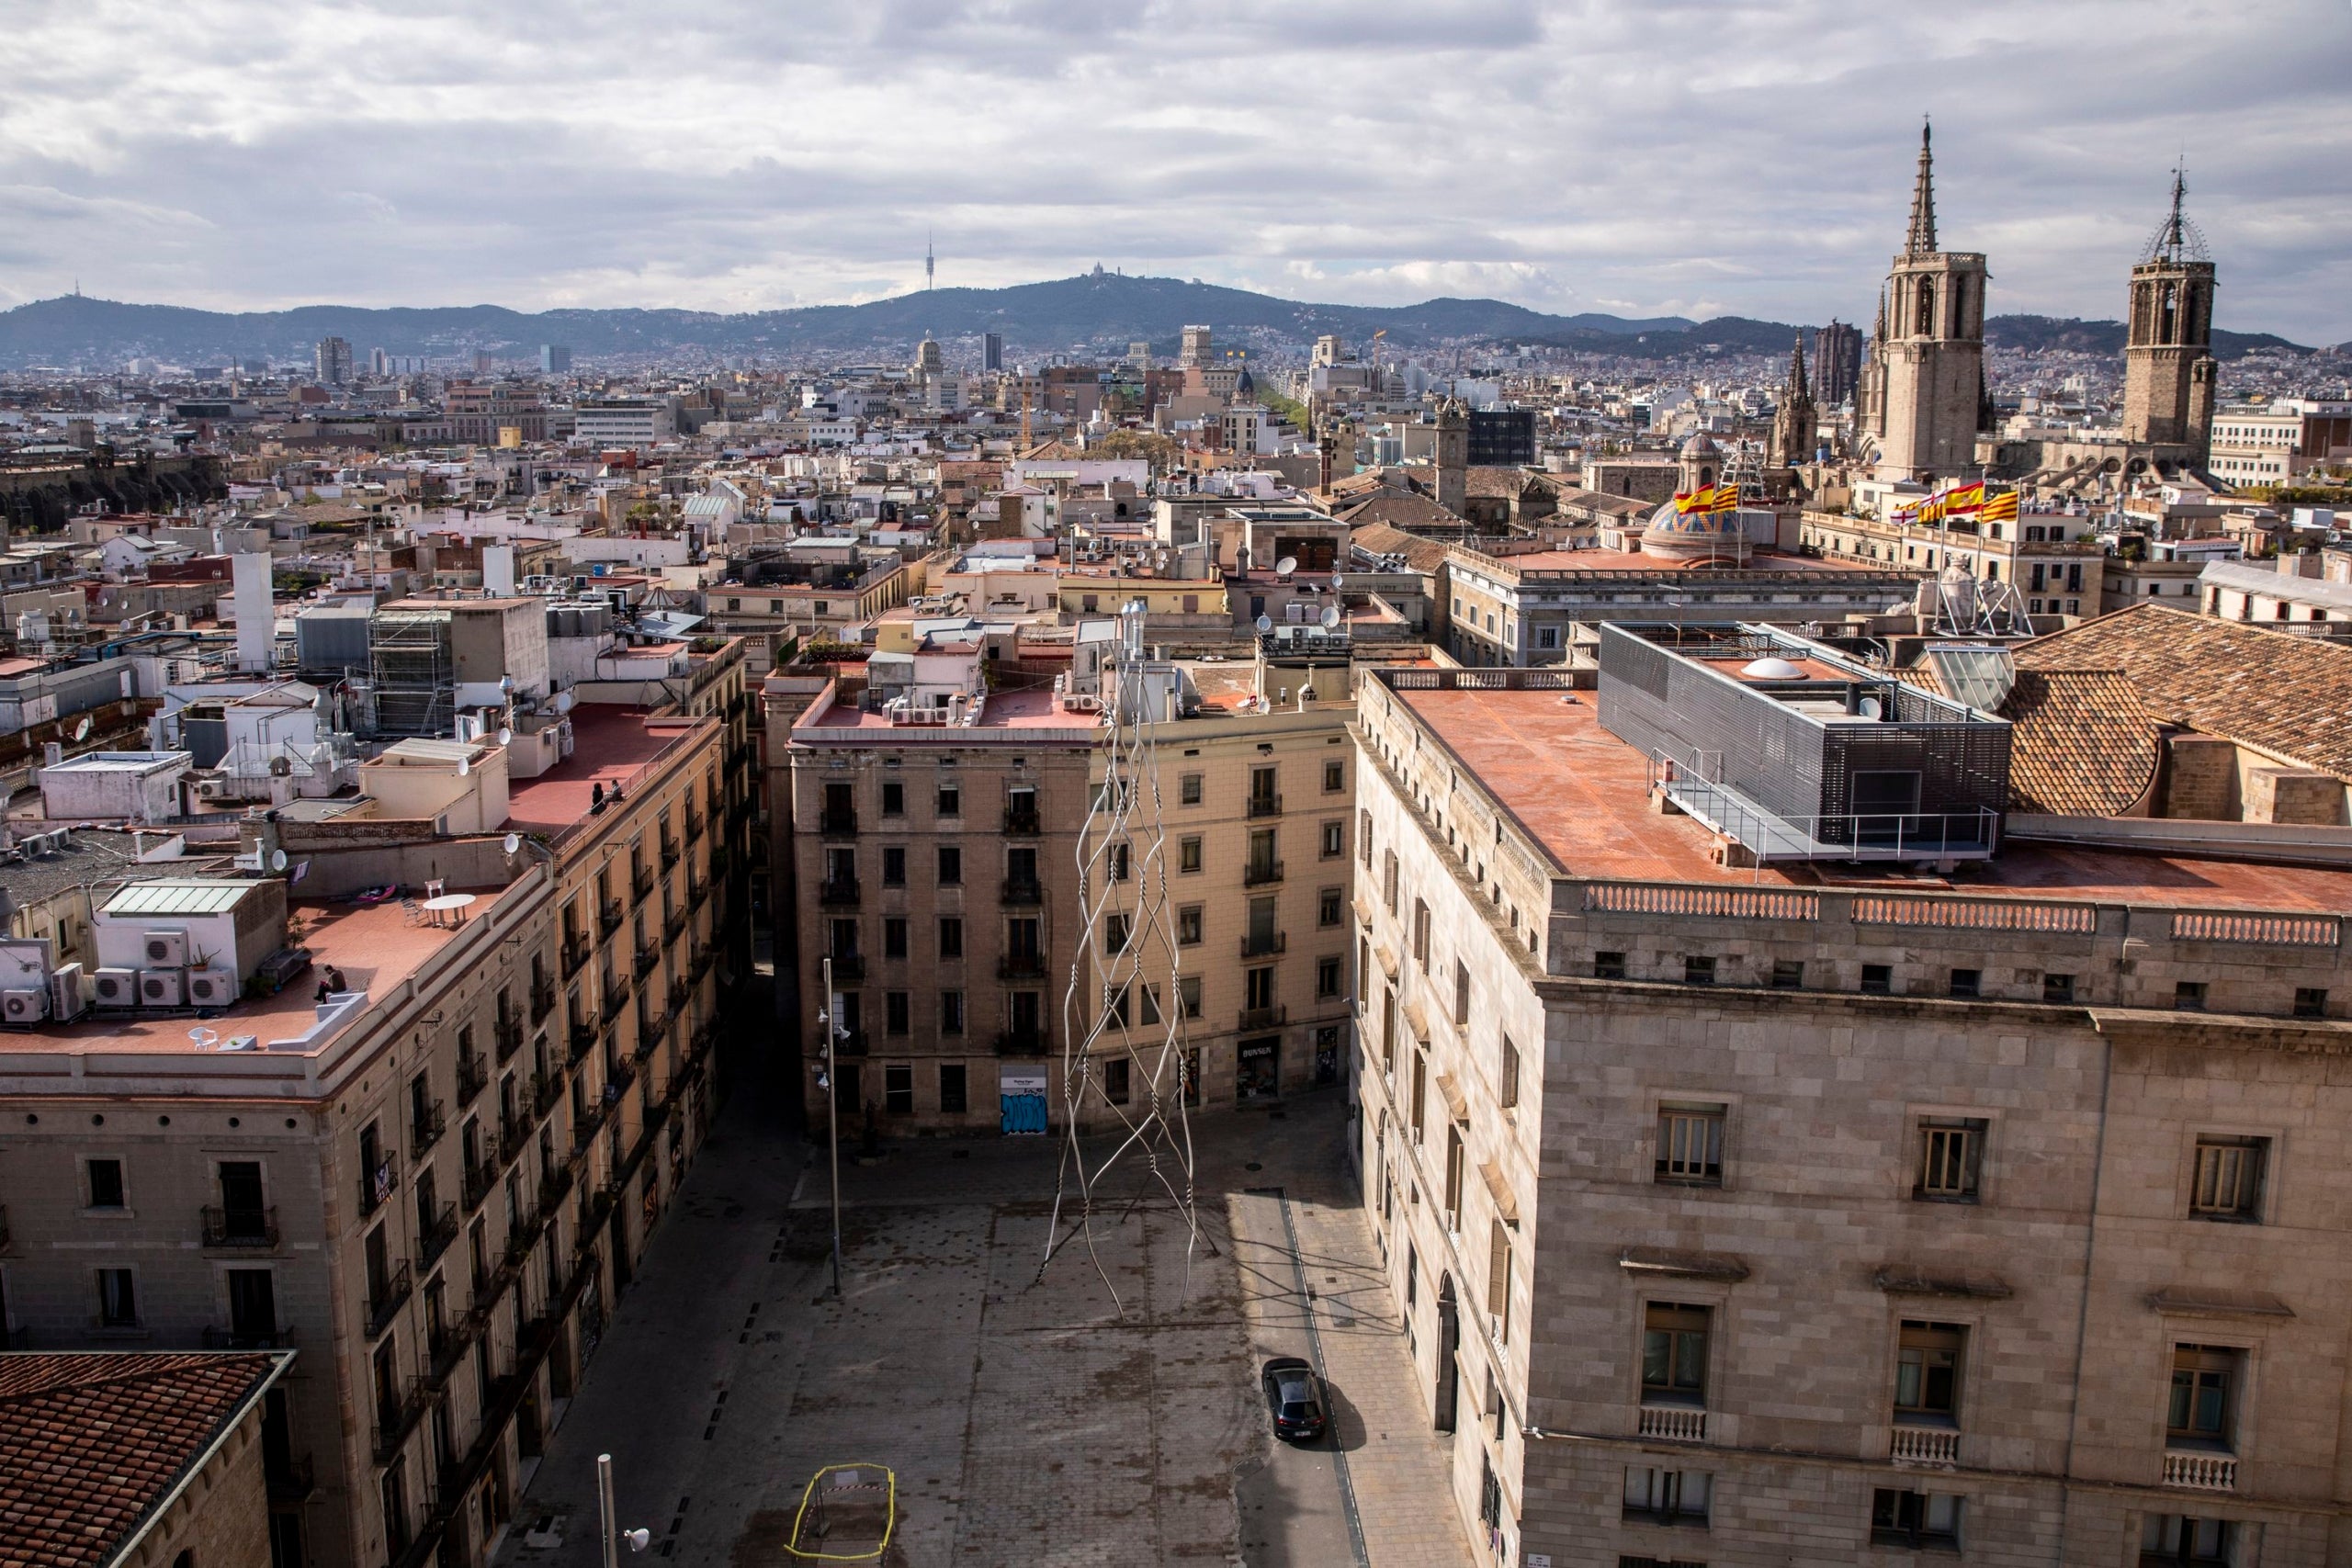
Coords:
pixel 1744 1215
pixel 2055 562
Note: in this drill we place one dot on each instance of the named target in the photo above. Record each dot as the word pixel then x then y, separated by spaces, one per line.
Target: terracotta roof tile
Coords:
pixel 2080 744
pixel 91 1443
pixel 2285 694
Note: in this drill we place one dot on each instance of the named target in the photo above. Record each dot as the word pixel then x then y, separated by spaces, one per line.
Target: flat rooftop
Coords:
pixel 1583 795
pixel 1635 561
pixel 1031 714
pixel 611 745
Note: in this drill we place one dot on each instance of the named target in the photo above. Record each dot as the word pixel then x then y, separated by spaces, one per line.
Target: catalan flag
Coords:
pixel 1725 499
pixel 2000 506
pixel 1931 510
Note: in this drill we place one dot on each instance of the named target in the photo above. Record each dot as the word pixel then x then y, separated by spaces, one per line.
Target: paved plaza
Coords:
pixel 1027 1421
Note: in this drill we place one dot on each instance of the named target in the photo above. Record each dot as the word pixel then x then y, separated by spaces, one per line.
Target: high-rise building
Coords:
pixel 1836 362
pixel 333 359
pixel 929 360
pixel 555 358
pixel 1928 363
pixel 1194 349
pixel 991 352
pixel 2168 369
pixel 379 362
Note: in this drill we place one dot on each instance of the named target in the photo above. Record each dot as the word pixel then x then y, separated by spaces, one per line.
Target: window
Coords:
pixel 1666 1497
pixel 1507 1076
pixel 894 866
pixel 951 936
pixel 1698 971
pixel 1188 789
pixel 1114 933
pixel 951 1014
pixel 1115 1006
pixel 1388 879
pixel 2057 988
pixel 894 936
pixel 1334 777
pixel 1148 997
pixel 1258 988
pixel 1335 839
pixel 895 1010
pixel 1674 1354
pixel 1788 974
pixel 952 1100
pixel 1188 925
pixel 1691 1144
pixel 1927 1373
pixel 1116 1080
pixel 1878 979
pixel 1188 992
pixel 1914 1519
pixel 898 1089
pixel 2311 1001
pixel 1950 1151
pixel 1364 838
pixel 1966 983
pixel 2175 1538
pixel 1421 935
pixel 1188 852
pixel 1328 978
pixel 2189 995
pixel 105 1183
pixel 1498 1278
pixel 951 866
pixel 894 799
pixel 951 801
pixel 1330 905
pixel 1608 965
pixel 2227 1182
pixel 1547 637
pixel 118 1299
pixel 2204 1382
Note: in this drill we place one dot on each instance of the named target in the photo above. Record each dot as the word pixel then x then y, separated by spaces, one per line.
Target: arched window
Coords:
pixel 185 1560
pixel 1926 326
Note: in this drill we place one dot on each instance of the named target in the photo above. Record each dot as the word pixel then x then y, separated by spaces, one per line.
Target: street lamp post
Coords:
pixel 827 1020
pixel 613 1537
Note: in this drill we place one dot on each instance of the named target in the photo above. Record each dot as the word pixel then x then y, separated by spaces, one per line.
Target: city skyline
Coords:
pixel 1751 162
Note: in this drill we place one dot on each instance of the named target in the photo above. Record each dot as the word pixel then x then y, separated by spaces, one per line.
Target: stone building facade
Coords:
pixel 1749 1216
pixel 1924 388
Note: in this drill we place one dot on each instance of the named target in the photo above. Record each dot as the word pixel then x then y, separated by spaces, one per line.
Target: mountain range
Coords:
pixel 1081 314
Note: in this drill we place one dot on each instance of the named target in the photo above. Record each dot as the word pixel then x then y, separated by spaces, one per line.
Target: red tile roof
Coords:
pixel 91 1444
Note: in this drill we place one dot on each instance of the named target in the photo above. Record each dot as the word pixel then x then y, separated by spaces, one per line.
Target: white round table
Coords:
pixel 452 905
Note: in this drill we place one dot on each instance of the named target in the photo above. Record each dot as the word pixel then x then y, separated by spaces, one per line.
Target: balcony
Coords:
pixel 1926 1445
pixel 552 1190
pixel 385 1297
pixel 583 1034
pixel 649 1031
pixel 291 1479
pixel 2201 1470
pixel 851 1043
pixel 576 949
pixel 424 1129
pixel 545 1090
pixel 838 892
pixel 248 1337
pixel 231 1228
pixel 507 1032
pixel 640 886
pixel 1259 873
pixel 478 1181
pixel 376 1185
pixel 542 1004
pixel 584 1125
pixel 1264 1018
pixel 1023 893
pixel 694 827
pixel 1265 946
pixel 674 926
pixel 1674 1422
pixel 618 1075
pixel 647 957
pixel 473 1074
pixel 848 967
pixel 669 854
pixel 1023 824
pixel 703 960
pixel 394 1422
pixel 615 991
pixel 696 891
pixel 608 918
pixel 1025 1042
pixel 682 991
pixel 837 822
pixel 1020 966
pixel 1265 805
pixel 435 1237
pixel 443 1350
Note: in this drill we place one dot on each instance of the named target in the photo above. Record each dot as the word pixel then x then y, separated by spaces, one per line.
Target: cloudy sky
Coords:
pixel 1635 156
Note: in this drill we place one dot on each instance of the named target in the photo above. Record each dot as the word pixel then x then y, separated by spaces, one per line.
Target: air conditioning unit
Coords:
pixel 69 993
pixel 118 988
pixel 23 1007
pixel 166 950
pixel 161 987
pixel 211 988
pixel 211 789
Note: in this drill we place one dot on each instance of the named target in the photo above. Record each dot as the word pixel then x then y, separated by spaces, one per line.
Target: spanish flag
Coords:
pixel 1682 499
pixel 1964 501
pixel 2000 506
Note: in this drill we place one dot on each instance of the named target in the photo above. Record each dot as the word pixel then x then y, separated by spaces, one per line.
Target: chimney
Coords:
pixel 256 618
pixel 498 571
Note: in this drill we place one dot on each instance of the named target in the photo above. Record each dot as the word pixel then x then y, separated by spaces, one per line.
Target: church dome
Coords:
pixel 1243 387
pixel 1694 536
pixel 1701 444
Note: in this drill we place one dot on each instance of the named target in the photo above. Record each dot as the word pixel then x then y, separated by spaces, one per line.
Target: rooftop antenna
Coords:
pixel 930 262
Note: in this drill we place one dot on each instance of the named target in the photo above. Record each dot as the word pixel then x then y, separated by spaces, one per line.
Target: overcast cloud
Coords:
pixel 1636 156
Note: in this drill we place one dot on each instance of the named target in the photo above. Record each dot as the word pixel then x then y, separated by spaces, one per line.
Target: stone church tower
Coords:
pixel 1794 423
pixel 2169 374
pixel 1930 352
pixel 1451 456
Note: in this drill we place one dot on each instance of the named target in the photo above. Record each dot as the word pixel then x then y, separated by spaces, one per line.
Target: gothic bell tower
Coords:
pixel 1930 354
pixel 1794 423
pixel 2168 378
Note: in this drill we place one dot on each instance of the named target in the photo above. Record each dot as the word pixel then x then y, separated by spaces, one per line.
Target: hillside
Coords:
pixel 1081 313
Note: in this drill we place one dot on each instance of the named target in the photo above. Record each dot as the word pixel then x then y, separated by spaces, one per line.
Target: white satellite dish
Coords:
pixel 1331 616
pixel 514 843
pixel 205 1038
pixel 563 701
pixel 1265 623
pixel 277 860
pixel 1285 566
pixel 465 766
pixel 505 735
pixel 1335 583
pixel 81 730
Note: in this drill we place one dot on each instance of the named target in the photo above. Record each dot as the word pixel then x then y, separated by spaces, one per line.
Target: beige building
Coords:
pixel 2054 561
pixel 1923 384
pixel 1748 1204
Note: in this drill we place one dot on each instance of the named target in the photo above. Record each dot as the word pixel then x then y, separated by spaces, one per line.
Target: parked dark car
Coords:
pixel 1294 1398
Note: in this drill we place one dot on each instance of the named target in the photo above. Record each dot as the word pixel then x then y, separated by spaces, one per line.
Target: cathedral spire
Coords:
pixel 1921 240
pixel 1798 392
pixel 1878 332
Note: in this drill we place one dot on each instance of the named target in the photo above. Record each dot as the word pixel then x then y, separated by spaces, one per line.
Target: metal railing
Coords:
pixel 473 1077
pixel 1258 873
pixel 1255 946
pixel 1022 892
pixel 1265 805
pixel 837 822
pixel 240 1227
pixel 435 1238
pixel 1023 824
pixel 1025 1042
pixel 424 1129
pixel 1013 967
pixel 376 1186
pixel 385 1297
pixel 1264 1018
